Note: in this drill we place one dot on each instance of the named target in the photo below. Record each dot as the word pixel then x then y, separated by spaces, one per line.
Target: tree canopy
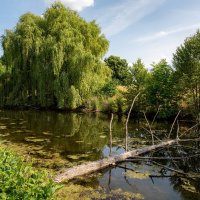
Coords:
pixel 161 89
pixel 186 61
pixel 54 59
pixel 139 74
pixel 120 70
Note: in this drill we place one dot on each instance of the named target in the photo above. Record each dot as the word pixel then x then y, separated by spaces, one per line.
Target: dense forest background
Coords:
pixel 57 61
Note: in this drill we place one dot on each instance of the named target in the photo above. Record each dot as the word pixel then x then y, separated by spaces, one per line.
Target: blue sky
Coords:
pixel 146 29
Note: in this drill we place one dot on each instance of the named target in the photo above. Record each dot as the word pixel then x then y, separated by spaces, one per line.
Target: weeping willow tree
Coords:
pixel 53 60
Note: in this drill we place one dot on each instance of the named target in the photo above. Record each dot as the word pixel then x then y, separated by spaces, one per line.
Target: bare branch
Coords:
pixel 111 133
pixel 150 131
pixel 174 123
pixel 177 132
pixel 189 129
pixel 155 115
pixel 127 120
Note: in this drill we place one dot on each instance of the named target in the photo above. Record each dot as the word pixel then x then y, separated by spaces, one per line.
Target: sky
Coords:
pixel 146 29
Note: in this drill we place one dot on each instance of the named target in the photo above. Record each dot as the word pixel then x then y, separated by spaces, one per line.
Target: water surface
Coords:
pixel 58 140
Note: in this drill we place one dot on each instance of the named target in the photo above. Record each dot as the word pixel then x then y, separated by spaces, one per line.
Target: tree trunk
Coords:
pixel 90 167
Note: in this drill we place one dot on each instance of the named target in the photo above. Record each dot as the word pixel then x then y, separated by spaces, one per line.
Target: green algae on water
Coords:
pixel 75 191
pixel 137 175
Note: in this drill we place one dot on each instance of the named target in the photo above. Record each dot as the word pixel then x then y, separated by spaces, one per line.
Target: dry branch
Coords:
pixel 189 129
pixel 177 171
pixel 127 120
pixel 150 131
pixel 161 176
pixel 111 133
pixel 174 123
pixel 155 115
pixel 161 158
pixel 106 162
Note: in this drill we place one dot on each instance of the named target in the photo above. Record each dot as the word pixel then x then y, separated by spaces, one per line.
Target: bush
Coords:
pixel 109 89
pixel 121 104
pixel 20 181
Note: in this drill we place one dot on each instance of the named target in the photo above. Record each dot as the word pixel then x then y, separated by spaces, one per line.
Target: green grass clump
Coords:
pixel 19 181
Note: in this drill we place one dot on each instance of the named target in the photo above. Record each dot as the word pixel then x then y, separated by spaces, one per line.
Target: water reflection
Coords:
pixel 57 140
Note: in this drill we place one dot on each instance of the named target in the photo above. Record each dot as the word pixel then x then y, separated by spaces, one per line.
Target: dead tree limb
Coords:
pixel 106 162
pixel 174 170
pixel 155 115
pixel 127 120
pixel 161 158
pixel 111 133
pixel 189 129
pixel 159 176
pixel 174 123
pixel 150 131
pixel 177 132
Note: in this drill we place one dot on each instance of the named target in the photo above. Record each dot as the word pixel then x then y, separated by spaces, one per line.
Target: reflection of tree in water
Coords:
pixel 67 132
pixel 188 187
pixel 61 132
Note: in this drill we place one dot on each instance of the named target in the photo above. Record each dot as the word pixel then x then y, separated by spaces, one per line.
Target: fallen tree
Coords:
pixel 94 166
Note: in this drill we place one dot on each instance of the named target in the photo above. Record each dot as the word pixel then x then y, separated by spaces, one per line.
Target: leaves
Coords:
pixel 53 60
pixel 120 70
pixel 186 61
pixel 21 181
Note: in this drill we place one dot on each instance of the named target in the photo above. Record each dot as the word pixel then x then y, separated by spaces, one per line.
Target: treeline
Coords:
pixel 56 61
pixel 167 88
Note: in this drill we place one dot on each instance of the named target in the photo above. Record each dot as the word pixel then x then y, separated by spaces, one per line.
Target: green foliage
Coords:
pixel 2 68
pixel 74 99
pixel 54 59
pixel 161 89
pixel 186 61
pixel 109 89
pixel 140 75
pixel 120 70
pixel 20 181
pixel 93 104
pixel 121 104
pixel 112 105
pixel 157 89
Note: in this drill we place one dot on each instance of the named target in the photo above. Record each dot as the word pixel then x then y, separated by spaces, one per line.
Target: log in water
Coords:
pixel 90 167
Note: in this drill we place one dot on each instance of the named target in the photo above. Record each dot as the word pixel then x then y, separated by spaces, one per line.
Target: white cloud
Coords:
pixel 162 34
pixel 127 13
pixel 77 5
pixel 164 46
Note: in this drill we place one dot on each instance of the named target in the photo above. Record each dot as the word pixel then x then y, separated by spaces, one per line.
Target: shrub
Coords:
pixel 19 180
pixel 109 89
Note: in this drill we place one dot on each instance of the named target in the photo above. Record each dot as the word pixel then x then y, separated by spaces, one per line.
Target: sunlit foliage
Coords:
pixel 186 61
pixel 54 59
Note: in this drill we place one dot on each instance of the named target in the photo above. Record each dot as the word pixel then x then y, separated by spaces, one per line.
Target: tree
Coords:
pixel 2 67
pixel 161 90
pixel 120 70
pixel 140 76
pixel 54 59
pixel 186 61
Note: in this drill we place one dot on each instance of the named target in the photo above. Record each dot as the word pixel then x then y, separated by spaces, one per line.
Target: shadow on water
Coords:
pixel 57 140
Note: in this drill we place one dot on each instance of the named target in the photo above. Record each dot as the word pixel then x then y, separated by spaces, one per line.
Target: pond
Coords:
pixel 57 140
